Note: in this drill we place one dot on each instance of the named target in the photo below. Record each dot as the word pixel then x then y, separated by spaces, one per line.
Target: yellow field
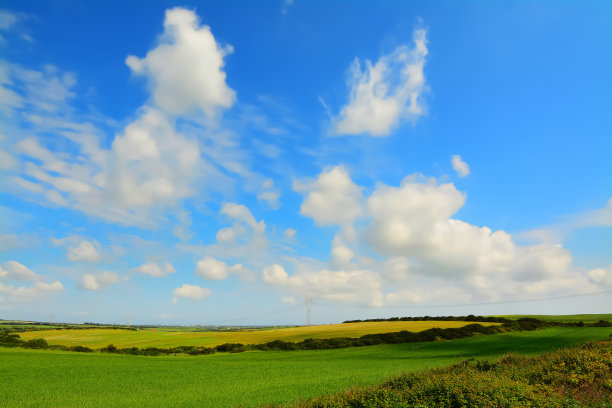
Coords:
pixel 97 338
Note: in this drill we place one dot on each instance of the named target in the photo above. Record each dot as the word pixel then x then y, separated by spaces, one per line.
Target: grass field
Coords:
pixel 586 318
pixel 32 378
pixel 97 338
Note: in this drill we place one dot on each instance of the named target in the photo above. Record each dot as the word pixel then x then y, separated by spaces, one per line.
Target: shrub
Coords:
pixel 80 349
pixel 36 344
pixel 230 348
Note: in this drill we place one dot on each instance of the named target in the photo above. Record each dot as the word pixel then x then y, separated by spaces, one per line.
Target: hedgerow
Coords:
pixel 573 377
pixel 9 339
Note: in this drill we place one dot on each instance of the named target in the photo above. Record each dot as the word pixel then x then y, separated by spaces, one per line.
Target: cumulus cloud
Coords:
pixel 421 248
pixel 332 198
pixel 192 292
pixel 460 166
pixel 601 276
pixel 150 165
pixel 246 231
pixel 25 293
pixel 213 269
pixel 156 270
pixel 98 281
pixel 274 275
pixel 341 254
pixel 385 93
pixel 85 252
pixel 357 286
pixel 186 70
pixel 415 220
pixel 13 270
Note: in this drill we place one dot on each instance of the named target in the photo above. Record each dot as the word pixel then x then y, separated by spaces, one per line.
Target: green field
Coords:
pixel 98 338
pixel 586 318
pixel 36 378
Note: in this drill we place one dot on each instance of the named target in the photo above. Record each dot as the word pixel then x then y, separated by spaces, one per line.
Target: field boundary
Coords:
pixel 10 339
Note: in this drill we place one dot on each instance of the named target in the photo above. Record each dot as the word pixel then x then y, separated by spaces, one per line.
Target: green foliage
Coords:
pixel 80 349
pixel 35 344
pixel 230 348
pixel 577 377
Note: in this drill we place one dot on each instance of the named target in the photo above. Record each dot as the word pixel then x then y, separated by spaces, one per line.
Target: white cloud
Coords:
pixel 150 165
pixel 460 166
pixel 289 300
pixel 25 293
pixel 211 268
pixel 7 20
pixel 415 220
pixel 156 270
pixel 269 194
pixel 358 286
pixel 274 275
pixel 555 234
pixel 214 269
pixel 597 218
pixel 601 276
pixel 290 233
pixel 419 247
pixel 85 252
pixel 341 254
pixel 332 198
pixel 226 234
pixel 192 292
pixel 246 231
pixel 386 93
pixel 13 270
pixel 185 71
pixel 241 213
pixel 98 281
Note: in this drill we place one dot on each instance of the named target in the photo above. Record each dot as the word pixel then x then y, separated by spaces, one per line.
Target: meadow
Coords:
pixel 160 337
pixel 33 378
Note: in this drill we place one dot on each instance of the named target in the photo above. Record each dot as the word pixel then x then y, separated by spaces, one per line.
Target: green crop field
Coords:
pixel 586 318
pixel 97 338
pixel 36 378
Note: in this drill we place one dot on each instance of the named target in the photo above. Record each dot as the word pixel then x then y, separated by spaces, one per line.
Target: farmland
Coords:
pixel 586 318
pixel 97 338
pixel 53 378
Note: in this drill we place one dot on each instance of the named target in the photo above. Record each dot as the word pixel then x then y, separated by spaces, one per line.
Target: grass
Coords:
pixel 33 378
pixel 576 376
pixel 586 318
pixel 97 338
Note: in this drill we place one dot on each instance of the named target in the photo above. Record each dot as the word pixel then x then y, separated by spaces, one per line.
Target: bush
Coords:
pixel 36 344
pixel 80 349
pixel 230 348
pixel 575 377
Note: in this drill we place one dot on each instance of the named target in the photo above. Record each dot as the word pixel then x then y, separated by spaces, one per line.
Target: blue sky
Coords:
pixel 219 162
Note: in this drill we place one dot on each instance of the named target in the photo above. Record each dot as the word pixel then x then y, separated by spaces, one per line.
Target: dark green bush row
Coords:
pixel 470 318
pixel 380 338
pixel 434 334
pixel 156 351
pixel 573 377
